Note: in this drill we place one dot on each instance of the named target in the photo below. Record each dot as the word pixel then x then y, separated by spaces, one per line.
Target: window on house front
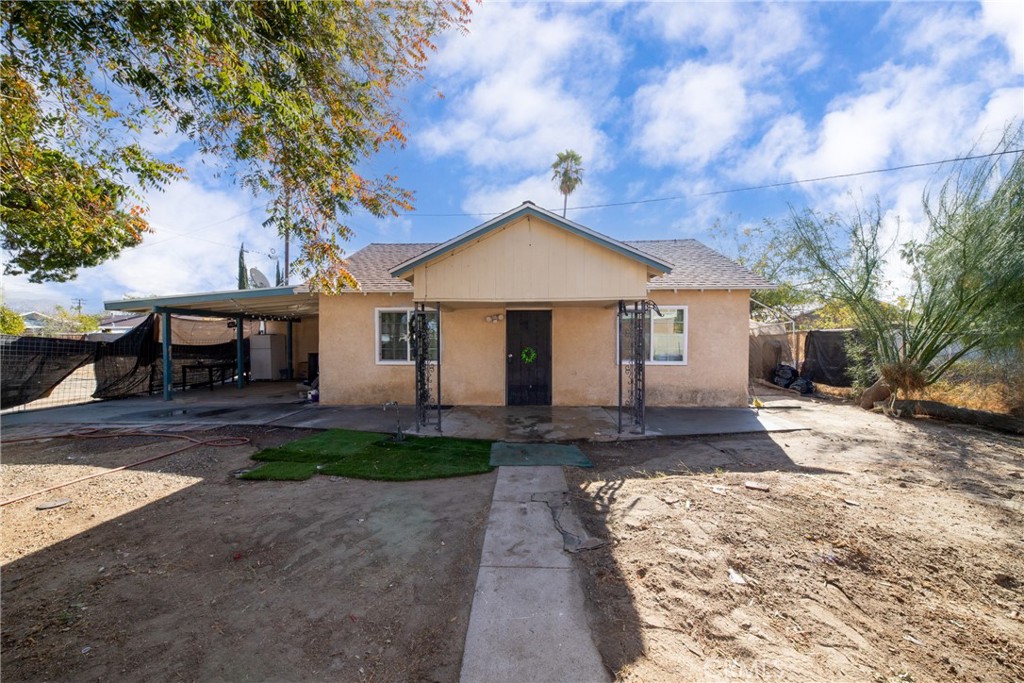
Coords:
pixel 393 344
pixel 665 339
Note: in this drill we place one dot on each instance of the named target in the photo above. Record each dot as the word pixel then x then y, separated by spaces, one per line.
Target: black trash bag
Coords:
pixel 785 375
pixel 803 385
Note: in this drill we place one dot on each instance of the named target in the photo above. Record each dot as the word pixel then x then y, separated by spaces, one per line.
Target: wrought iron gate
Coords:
pixel 419 339
pixel 634 324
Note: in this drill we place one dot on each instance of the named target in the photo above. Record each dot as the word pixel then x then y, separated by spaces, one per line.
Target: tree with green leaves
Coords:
pixel 64 321
pixel 567 171
pixel 967 285
pixel 243 272
pixel 11 322
pixel 292 96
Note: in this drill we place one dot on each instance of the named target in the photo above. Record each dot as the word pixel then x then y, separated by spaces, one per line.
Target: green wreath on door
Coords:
pixel 528 355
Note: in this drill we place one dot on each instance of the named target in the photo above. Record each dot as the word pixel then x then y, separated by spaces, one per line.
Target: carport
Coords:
pixel 288 304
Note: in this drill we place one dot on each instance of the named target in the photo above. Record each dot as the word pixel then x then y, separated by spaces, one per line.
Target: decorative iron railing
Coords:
pixel 421 339
pixel 634 325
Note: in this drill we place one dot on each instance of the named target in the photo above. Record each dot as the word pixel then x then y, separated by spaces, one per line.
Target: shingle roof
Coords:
pixel 371 266
pixel 695 266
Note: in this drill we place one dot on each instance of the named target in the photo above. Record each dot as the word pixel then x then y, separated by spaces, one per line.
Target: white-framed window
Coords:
pixel 391 335
pixel 665 341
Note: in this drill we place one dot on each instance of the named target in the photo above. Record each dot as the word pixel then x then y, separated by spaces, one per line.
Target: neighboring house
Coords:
pixel 35 322
pixel 522 309
pixel 530 288
pixel 119 324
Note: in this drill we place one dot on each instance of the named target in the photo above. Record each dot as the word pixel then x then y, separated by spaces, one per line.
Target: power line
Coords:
pixel 176 235
pixel 750 188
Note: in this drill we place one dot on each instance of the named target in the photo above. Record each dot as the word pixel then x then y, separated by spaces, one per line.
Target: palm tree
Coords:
pixel 568 171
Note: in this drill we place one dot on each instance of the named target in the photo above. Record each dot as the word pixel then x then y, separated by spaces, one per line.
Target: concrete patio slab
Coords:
pixel 704 421
pixel 278 404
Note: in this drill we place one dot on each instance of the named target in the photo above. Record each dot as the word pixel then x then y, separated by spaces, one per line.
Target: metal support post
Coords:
pixel 165 329
pixel 240 351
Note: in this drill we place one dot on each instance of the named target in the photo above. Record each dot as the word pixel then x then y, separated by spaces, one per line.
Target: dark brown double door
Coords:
pixel 528 366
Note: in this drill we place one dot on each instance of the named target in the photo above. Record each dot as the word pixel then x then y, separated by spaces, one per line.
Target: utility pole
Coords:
pixel 79 303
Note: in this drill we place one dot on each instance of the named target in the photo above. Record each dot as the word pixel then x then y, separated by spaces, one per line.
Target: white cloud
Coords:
pixel 703 107
pixel 1005 18
pixel 750 35
pixel 693 114
pixel 946 93
pixel 526 83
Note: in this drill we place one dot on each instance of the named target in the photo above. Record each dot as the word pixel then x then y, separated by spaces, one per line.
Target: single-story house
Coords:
pixel 524 309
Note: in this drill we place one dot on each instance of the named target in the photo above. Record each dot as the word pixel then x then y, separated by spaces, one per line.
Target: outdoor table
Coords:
pixel 209 367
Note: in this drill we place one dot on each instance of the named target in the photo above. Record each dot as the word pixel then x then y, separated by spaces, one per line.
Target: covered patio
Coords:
pixel 278 307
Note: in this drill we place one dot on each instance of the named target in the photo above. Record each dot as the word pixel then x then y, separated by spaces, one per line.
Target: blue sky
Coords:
pixel 661 99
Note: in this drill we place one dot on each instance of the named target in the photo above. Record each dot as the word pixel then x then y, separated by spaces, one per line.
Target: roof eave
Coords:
pixel 661 287
pixel 529 209
pixel 150 304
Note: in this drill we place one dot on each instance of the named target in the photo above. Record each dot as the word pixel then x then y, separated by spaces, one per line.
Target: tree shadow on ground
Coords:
pixel 217 578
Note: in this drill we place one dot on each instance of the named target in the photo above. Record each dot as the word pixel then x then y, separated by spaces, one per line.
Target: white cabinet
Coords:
pixel 268 357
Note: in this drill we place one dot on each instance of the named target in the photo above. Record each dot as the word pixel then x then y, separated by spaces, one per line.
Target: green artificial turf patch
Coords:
pixel 329 446
pixel 282 471
pixel 369 455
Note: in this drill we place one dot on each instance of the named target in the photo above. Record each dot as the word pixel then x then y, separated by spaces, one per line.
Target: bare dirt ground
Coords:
pixel 178 571
pixel 882 550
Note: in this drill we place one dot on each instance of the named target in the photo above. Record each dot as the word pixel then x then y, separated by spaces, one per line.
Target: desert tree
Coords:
pixel 966 289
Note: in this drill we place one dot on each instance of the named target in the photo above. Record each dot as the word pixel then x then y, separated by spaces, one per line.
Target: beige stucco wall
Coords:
pixel 349 373
pixel 717 350
pixel 583 357
pixel 583 354
pixel 584 348
pixel 530 260
pixel 472 357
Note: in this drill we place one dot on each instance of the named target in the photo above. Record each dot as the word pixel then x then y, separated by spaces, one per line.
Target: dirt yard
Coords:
pixel 178 571
pixel 881 550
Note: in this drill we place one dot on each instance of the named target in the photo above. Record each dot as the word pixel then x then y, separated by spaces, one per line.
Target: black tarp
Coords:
pixel 134 363
pixel 767 352
pixel 32 366
pixel 825 358
pixel 124 367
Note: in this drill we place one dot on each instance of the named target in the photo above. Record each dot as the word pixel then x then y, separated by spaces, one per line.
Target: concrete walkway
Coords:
pixel 528 621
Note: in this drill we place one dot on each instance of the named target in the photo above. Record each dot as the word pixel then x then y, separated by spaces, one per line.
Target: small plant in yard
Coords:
pixel 370 455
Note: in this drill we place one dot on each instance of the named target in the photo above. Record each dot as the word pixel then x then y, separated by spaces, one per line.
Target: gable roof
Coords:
pixel 694 266
pixel 531 209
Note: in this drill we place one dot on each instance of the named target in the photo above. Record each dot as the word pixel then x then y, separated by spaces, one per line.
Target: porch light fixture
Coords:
pixel 495 318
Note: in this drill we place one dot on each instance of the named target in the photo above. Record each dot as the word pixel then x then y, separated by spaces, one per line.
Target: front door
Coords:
pixel 528 369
